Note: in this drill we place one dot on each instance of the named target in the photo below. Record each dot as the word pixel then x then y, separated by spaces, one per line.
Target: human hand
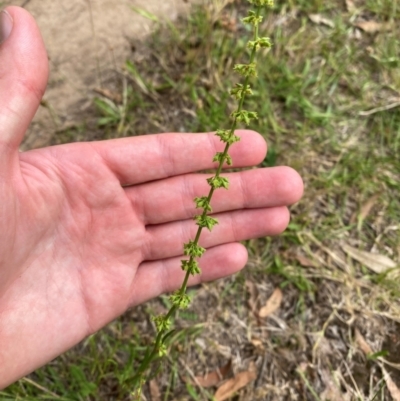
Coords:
pixel 90 229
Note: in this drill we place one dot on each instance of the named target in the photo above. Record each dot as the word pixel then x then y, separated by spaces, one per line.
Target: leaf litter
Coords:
pixel 375 262
pixel 273 303
pixel 231 386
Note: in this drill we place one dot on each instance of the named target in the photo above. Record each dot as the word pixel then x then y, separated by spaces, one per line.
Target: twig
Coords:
pixel 378 109
pixel 44 389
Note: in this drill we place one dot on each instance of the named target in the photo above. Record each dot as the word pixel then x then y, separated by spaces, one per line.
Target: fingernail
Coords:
pixel 6 24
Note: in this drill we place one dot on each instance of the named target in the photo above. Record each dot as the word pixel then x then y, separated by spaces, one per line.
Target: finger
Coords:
pixel 166 240
pixel 23 77
pixel 155 278
pixel 152 157
pixel 172 199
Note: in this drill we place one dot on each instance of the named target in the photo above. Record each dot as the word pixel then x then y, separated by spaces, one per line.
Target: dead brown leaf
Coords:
pixel 332 387
pixel 372 26
pixel 228 23
pixel 365 209
pixel 287 355
pixel 257 343
pixel 391 385
pixel 333 255
pixel 302 367
pixel 362 343
pixel 273 303
pixel 231 386
pixel 213 378
pixel 320 20
pixel 154 391
pixel 375 262
pixel 351 7
pixel 115 97
pixel 252 289
pixel 304 261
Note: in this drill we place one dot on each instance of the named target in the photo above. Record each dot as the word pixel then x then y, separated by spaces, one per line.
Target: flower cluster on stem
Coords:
pixel 179 299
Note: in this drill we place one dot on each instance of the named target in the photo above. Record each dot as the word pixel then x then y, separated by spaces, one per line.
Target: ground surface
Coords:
pixel 87 42
pixel 328 95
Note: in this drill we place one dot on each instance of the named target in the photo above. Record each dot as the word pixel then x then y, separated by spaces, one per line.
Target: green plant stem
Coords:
pixel 159 339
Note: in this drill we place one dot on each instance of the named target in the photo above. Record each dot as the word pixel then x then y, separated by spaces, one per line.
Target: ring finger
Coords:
pixel 166 240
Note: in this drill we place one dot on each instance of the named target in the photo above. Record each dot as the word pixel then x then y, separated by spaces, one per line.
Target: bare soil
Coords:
pixel 87 42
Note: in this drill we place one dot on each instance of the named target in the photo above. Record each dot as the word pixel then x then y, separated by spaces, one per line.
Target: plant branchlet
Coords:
pixel 180 299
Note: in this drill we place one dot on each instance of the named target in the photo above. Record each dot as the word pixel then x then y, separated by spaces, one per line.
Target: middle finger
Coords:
pixel 171 199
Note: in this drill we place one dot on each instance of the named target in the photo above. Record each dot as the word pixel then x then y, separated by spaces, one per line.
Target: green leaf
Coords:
pixel 247 70
pixel 162 350
pixel 168 335
pixel 193 392
pixel 220 157
pixel 377 355
pixel 260 3
pixel 205 221
pixel 145 14
pixel 203 202
pixel 227 136
pixel 162 323
pixel 218 182
pixel 179 299
pixel 108 108
pixel 238 91
pixel 252 18
pixel 190 266
pixel 244 116
pixel 192 249
pixel 259 42
pixel 137 77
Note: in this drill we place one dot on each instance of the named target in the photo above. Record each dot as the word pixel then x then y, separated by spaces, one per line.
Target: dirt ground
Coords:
pixel 87 42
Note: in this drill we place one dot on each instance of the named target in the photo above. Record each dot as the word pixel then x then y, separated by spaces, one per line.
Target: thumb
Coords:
pixel 23 76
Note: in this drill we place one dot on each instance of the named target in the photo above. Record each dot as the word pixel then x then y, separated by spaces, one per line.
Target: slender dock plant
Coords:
pixel 180 299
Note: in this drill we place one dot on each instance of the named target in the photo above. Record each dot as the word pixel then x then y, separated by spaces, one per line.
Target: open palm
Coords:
pixel 90 229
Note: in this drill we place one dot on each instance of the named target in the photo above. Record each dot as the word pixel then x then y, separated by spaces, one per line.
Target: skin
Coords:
pixel 91 229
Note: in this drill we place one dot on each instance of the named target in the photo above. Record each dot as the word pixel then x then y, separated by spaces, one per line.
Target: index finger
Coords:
pixel 152 157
